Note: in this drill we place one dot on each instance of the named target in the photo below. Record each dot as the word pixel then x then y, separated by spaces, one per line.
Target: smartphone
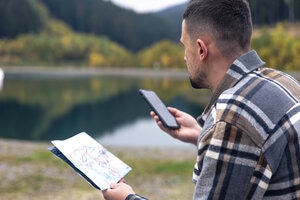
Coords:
pixel 160 109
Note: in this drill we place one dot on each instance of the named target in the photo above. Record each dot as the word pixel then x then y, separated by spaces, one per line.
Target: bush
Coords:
pixel 278 49
pixel 76 49
pixel 164 54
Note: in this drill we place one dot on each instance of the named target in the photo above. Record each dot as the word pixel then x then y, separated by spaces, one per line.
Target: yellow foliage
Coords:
pixel 278 48
pixel 59 45
pixel 66 42
pixel 296 55
pixel 164 54
pixel 96 59
pixel 165 60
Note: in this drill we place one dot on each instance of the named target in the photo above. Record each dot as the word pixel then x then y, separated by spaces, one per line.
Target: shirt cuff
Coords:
pixel 135 197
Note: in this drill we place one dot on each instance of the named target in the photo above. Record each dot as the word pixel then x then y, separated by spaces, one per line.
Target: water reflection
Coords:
pixel 46 109
pixel 142 133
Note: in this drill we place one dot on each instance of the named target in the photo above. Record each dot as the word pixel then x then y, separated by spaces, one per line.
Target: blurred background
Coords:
pixel 76 65
pixel 71 65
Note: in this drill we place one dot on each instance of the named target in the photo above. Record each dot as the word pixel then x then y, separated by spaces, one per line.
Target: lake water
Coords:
pixel 42 108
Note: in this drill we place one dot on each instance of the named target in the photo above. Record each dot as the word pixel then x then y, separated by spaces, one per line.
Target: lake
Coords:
pixel 46 105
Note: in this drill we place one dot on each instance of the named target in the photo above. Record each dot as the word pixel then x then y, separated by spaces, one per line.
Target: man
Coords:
pixel 248 135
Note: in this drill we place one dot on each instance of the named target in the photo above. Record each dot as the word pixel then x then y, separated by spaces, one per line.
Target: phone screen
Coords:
pixel 160 109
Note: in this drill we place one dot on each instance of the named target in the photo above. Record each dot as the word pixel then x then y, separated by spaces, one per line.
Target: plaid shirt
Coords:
pixel 249 147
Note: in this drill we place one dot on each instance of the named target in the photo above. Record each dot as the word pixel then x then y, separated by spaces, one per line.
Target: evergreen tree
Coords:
pixel 21 16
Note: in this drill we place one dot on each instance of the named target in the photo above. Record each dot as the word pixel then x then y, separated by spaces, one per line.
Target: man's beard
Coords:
pixel 194 84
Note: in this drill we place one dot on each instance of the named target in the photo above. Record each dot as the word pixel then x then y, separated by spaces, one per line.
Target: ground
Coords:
pixel 29 171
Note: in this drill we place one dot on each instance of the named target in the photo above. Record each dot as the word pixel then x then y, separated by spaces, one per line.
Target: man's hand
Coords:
pixel 118 191
pixel 189 130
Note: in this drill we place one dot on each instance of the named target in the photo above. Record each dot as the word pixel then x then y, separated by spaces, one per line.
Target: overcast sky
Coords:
pixel 142 6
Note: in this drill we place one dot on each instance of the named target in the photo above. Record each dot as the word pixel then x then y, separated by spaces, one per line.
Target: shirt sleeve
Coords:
pixel 135 197
pixel 226 161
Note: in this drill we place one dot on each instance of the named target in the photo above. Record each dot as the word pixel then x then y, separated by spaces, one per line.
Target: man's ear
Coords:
pixel 202 49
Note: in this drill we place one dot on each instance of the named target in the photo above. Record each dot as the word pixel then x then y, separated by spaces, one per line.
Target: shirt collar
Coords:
pixel 245 64
pixel 242 66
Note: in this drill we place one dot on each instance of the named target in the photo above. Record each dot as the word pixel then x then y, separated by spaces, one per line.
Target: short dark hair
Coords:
pixel 227 21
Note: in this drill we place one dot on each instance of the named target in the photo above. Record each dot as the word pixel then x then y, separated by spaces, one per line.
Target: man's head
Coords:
pixel 214 33
pixel 227 21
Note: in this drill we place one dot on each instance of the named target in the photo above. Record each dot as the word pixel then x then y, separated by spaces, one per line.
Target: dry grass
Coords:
pixel 29 171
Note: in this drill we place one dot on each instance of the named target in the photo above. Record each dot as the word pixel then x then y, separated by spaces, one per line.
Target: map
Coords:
pixel 91 160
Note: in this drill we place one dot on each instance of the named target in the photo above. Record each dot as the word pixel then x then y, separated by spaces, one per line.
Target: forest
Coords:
pixel 96 33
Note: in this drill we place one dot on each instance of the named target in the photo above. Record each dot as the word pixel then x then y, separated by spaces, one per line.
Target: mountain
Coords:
pixel 129 29
pixel 98 17
pixel 173 17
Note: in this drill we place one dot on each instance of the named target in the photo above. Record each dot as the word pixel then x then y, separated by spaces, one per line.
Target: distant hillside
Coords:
pixel 264 12
pixel 173 17
pixel 131 30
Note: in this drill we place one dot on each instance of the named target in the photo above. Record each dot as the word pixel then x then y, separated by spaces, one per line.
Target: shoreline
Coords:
pixel 84 72
pixel 65 72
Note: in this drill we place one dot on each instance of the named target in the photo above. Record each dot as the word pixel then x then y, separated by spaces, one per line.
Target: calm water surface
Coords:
pixel 109 108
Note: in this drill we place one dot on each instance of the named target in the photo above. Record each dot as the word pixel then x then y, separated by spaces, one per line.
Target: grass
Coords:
pixel 29 171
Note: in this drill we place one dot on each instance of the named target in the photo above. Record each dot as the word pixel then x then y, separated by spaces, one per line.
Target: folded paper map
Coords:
pixel 91 160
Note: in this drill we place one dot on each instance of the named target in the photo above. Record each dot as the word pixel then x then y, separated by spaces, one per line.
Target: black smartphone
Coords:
pixel 160 109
